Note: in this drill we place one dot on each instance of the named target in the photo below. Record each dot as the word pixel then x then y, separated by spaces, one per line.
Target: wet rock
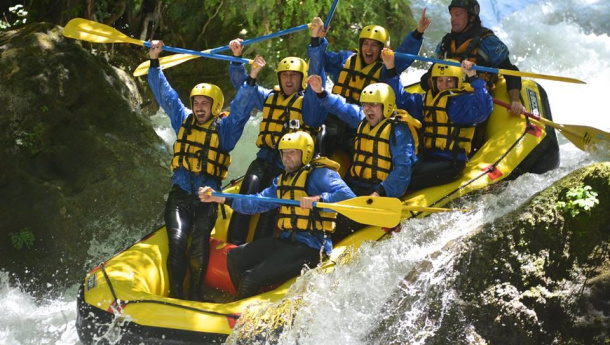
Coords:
pixel 79 160
pixel 538 275
pixel 541 275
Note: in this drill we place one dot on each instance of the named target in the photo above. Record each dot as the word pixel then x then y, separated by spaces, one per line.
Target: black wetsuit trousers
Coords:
pixel 186 215
pixel 259 176
pixel 268 261
pixel 434 171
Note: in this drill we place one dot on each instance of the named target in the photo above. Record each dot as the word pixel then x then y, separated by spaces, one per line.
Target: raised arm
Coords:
pixel 349 113
pixel 412 103
pixel 237 70
pixel 165 95
pixel 412 43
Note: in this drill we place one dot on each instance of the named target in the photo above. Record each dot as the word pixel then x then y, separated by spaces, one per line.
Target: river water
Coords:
pixel 562 37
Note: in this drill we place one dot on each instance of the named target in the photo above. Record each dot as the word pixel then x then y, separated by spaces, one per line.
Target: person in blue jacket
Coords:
pixel 470 40
pixel 384 149
pixel 352 71
pixel 286 108
pixel 449 113
pixel 205 136
pixel 304 231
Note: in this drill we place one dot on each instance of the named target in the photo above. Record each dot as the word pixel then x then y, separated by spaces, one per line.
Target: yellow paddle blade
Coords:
pixel 90 31
pixel 378 211
pixel 164 62
pixel 584 137
pixel 540 76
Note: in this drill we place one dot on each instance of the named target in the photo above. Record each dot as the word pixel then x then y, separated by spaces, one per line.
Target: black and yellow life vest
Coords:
pixel 469 50
pixel 197 148
pixel 353 78
pixel 439 132
pixel 293 186
pixel 280 113
pixel 372 159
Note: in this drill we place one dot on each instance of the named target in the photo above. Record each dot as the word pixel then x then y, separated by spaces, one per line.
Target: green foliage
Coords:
pixel 208 24
pixel 16 16
pixel 579 198
pixel 24 237
pixel 261 17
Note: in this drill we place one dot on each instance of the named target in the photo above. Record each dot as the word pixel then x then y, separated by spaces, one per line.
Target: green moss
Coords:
pixel 22 238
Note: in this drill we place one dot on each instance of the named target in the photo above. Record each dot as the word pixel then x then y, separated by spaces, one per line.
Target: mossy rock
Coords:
pixel 79 159
pixel 538 275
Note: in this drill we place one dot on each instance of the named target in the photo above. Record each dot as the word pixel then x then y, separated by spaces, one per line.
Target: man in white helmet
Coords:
pixel 304 232
pixel 205 136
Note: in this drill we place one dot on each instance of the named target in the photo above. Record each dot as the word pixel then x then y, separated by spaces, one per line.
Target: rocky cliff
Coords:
pixel 78 157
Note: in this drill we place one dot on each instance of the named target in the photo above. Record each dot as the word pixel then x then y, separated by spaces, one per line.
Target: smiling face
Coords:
pixel 291 158
pixel 202 108
pixel 290 81
pixel 459 19
pixel 373 113
pixel 371 50
pixel 445 83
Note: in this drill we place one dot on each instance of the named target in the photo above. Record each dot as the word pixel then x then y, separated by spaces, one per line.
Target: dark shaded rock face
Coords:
pixel 78 158
pixel 538 275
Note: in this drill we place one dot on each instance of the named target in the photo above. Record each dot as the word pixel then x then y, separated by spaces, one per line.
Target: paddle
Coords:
pixel 378 211
pixel 330 14
pixel 173 60
pixel 492 70
pixel 583 137
pixel 87 30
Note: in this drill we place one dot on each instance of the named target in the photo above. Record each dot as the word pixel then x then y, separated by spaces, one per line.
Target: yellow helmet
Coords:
pixel 377 33
pixel 299 141
pixel 380 93
pixel 212 91
pixel 440 70
pixel 296 64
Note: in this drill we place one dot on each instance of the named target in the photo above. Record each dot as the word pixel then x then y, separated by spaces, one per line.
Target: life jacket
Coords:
pixel 439 132
pixel 372 159
pixel 469 50
pixel 293 186
pixel 354 77
pixel 281 115
pixel 197 148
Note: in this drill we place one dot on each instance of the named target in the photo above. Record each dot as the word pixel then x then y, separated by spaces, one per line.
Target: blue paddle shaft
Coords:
pixel 331 13
pixel 208 55
pixel 260 198
pixel 262 38
pixel 445 62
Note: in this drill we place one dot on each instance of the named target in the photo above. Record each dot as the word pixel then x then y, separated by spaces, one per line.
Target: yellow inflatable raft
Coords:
pixel 129 292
